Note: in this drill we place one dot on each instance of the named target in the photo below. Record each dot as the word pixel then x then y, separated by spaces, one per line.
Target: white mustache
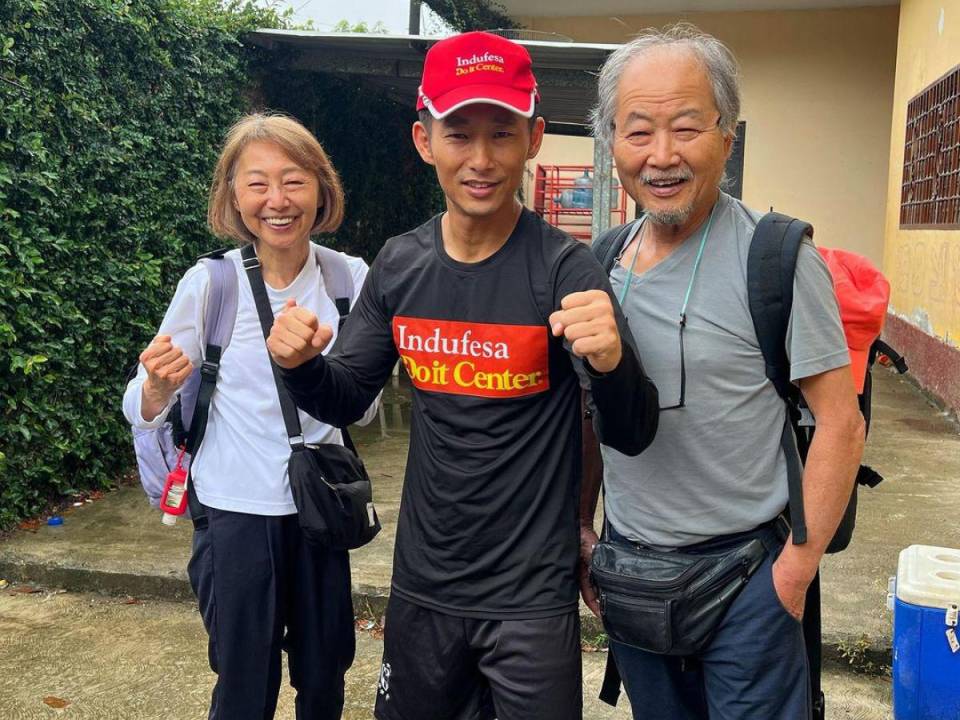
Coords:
pixel 648 179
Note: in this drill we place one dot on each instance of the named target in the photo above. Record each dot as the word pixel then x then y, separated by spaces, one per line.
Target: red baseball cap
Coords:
pixel 863 293
pixel 477 67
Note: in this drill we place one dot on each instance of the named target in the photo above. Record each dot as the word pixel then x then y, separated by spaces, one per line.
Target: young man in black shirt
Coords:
pixel 493 313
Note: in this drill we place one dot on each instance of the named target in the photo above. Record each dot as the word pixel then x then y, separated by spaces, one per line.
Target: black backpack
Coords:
pixel 771 264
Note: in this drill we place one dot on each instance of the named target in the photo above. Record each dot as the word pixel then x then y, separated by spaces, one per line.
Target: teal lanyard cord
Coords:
pixel 626 285
pixel 693 275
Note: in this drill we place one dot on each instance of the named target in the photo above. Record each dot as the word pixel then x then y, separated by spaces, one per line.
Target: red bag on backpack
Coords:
pixel 863 293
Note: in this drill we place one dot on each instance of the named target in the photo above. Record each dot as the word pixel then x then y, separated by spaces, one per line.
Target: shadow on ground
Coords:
pixel 147 661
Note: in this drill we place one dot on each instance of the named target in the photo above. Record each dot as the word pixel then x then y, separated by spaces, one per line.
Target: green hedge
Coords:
pixel 112 112
pixel 111 116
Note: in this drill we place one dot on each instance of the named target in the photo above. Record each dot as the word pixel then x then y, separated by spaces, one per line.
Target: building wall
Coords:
pixel 923 265
pixel 817 92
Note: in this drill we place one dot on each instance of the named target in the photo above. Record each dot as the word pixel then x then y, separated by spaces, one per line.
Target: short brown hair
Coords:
pixel 297 142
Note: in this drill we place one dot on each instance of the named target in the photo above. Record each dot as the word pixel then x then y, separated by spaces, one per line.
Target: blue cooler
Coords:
pixel 926 635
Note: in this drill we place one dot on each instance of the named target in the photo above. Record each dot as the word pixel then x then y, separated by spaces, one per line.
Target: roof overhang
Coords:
pixel 561 8
pixel 566 71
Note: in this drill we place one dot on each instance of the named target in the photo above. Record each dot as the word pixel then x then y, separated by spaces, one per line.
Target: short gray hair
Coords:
pixel 721 67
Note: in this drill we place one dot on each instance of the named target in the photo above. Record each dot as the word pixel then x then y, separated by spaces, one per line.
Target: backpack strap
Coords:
pixel 771 265
pixel 219 319
pixel 338 284
pixel 610 689
pixel 222 302
pixel 337 280
pixel 788 442
pixel 880 347
pixel 608 246
pixel 813 641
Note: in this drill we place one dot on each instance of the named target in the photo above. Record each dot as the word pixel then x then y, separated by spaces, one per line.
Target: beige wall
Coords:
pixel 923 265
pixel 817 92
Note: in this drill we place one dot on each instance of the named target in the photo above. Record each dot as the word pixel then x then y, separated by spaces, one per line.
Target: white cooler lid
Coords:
pixel 929 576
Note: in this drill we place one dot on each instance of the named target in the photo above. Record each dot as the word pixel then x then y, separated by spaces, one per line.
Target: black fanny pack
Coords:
pixel 669 603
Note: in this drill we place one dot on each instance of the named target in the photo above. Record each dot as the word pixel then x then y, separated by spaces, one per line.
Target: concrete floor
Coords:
pixel 917 450
pixel 107 657
pixel 117 545
pixel 147 661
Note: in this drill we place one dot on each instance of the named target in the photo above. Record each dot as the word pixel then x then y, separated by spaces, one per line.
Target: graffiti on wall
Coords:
pixel 926 283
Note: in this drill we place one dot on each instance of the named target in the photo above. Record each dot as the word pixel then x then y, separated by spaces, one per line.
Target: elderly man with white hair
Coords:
pixel 707 495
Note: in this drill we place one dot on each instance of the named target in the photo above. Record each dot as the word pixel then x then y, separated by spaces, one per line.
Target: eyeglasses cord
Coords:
pixel 693 274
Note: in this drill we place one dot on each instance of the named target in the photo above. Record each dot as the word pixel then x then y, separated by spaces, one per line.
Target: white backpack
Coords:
pixel 157 449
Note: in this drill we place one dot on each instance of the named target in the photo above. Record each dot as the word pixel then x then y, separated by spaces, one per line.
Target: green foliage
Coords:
pixel 113 112
pixel 862 657
pixel 467 15
pixel 112 115
pixel 360 27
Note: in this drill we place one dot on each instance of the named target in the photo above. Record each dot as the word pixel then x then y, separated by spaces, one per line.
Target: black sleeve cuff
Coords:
pixel 624 366
pixel 627 404
pixel 302 374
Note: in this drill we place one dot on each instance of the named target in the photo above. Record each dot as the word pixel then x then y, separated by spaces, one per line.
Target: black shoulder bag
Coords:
pixel 330 485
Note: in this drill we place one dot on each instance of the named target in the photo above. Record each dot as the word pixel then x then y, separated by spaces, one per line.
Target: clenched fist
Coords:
pixel 588 541
pixel 167 369
pixel 586 320
pixel 297 336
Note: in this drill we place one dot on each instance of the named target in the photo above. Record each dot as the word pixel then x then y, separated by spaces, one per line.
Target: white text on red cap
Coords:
pixel 476 59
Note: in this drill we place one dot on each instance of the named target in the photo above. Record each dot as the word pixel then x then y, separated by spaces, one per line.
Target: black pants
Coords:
pixel 262 589
pixel 445 667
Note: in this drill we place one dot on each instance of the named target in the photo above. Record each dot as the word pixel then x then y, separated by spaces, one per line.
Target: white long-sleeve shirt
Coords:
pixel 242 464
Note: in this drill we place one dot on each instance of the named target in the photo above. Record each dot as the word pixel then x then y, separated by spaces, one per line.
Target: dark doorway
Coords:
pixel 734 169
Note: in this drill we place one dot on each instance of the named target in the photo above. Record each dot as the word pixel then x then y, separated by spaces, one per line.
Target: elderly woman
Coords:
pixel 260 586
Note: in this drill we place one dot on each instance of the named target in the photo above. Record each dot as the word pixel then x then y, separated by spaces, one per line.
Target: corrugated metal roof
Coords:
pixel 627 8
pixel 566 71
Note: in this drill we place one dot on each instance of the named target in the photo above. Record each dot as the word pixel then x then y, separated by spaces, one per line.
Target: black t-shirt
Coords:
pixel 488 516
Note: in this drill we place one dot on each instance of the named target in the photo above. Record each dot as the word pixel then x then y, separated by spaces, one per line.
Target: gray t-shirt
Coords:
pixel 716 466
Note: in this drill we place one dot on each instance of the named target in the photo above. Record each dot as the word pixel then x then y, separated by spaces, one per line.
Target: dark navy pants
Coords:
pixel 261 590
pixel 755 668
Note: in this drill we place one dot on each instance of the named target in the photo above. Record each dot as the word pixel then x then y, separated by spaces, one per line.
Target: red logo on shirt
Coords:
pixel 479 359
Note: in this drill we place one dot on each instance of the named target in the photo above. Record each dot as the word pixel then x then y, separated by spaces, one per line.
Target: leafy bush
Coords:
pixel 113 112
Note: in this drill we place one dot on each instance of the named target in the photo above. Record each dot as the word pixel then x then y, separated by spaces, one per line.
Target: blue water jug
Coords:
pixel 583 191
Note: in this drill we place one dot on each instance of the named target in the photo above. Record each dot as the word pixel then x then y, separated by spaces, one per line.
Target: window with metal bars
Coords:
pixel 930 191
